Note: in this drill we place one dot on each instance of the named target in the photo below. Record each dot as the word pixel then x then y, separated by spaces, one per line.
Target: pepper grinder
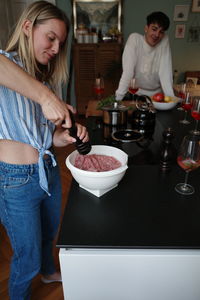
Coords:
pixel 167 150
pixel 82 147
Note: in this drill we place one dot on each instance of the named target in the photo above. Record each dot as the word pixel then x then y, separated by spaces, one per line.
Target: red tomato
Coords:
pixel 158 97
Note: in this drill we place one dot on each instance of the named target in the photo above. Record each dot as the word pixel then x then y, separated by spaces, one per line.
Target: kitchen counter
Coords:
pixel 140 240
pixel 144 211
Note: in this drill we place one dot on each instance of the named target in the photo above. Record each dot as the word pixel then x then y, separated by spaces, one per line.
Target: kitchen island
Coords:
pixel 141 240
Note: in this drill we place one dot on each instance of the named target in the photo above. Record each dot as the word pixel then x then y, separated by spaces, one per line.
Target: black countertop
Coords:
pixel 144 211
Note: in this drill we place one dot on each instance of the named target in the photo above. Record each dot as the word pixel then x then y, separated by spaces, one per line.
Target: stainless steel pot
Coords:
pixel 115 114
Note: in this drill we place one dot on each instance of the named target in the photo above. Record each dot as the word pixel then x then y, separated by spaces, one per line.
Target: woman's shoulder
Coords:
pixel 11 55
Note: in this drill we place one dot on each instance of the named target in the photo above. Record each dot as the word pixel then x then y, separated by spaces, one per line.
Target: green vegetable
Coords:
pixel 131 107
pixel 107 101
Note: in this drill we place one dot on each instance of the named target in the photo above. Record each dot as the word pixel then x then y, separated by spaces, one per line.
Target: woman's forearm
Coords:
pixel 15 78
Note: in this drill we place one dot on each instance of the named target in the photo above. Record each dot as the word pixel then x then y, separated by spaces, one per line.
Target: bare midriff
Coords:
pixel 13 152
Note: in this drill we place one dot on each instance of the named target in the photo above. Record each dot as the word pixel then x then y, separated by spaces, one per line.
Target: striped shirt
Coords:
pixel 22 120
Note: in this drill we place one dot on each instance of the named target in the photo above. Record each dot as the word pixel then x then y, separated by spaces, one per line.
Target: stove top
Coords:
pixel 140 152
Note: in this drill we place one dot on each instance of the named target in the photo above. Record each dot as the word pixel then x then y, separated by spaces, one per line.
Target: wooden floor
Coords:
pixel 40 291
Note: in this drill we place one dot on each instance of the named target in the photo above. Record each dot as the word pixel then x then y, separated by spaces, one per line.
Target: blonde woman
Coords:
pixel 31 67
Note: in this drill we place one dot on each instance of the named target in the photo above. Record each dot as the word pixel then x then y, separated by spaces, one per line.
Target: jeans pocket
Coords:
pixel 16 180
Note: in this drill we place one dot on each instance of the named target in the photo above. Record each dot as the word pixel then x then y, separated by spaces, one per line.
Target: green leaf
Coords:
pixel 107 101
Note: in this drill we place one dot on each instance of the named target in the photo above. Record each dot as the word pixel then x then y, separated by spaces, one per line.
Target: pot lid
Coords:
pixel 127 135
pixel 115 107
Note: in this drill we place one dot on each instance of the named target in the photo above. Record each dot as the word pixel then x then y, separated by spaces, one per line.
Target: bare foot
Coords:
pixel 55 277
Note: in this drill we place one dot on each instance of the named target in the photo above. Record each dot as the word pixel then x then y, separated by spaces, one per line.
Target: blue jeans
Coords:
pixel 31 219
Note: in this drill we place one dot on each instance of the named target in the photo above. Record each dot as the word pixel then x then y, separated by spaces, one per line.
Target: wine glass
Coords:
pixel 133 88
pixel 182 94
pixel 189 160
pixel 186 105
pixel 99 87
pixel 195 112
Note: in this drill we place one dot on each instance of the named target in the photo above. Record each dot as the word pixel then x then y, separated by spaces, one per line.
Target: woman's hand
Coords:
pixel 56 111
pixel 82 132
pixel 62 138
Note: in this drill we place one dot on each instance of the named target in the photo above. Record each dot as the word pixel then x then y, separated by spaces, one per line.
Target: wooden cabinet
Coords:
pixel 89 61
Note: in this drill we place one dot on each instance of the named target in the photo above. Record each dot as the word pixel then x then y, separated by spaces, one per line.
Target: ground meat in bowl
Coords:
pixel 96 162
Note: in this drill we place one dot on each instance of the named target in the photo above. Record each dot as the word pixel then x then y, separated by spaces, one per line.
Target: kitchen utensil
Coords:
pixel 127 135
pixel 128 140
pixel 115 114
pixel 82 147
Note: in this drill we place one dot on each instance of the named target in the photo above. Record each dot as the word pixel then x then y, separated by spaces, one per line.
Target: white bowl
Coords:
pixel 166 105
pixel 99 183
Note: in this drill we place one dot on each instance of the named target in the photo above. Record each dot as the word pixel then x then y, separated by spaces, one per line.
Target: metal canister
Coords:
pixel 80 38
pixel 115 114
pixel 95 38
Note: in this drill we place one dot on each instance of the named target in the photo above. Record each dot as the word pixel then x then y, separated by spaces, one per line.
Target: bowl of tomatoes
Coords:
pixel 164 102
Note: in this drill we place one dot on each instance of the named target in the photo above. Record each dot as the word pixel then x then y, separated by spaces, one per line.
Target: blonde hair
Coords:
pixel 38 12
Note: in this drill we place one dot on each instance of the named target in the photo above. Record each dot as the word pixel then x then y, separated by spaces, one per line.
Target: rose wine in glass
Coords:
pixel 195 113
pixel 99 87
pixel 132 87
pixel 186 105
pixel 189 160
pixel 182 94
